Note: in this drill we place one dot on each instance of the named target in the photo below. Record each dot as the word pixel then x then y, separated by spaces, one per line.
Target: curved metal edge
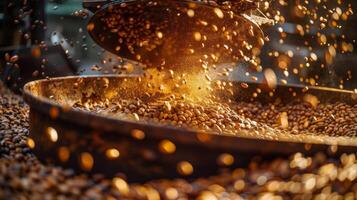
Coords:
pixel 180 135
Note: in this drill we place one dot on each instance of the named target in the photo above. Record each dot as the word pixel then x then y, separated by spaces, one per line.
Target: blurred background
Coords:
pixel 40 39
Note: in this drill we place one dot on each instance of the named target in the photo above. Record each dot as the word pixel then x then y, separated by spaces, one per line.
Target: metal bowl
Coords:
pixel 91 142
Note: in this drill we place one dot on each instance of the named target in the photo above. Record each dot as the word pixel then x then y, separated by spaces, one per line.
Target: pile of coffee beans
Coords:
pixel 336 119
pixel 23 176
pixel 297 117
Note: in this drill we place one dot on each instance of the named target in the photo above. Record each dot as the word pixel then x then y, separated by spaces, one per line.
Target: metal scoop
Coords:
pixel 175 33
